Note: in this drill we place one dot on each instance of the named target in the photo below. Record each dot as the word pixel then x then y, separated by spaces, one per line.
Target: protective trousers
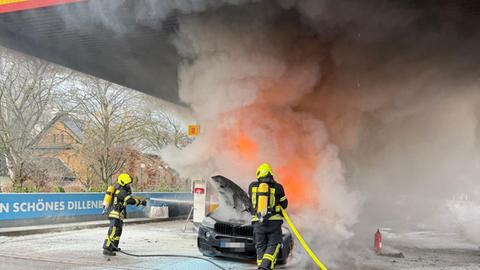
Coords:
pixel 114 233
pixel 268 239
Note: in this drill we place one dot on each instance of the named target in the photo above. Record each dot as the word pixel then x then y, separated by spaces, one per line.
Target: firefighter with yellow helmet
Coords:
pixel 267 198
pixel 115 203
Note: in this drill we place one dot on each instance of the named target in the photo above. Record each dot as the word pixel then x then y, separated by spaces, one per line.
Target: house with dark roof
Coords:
pixel 62 132
pixel 56 143
pixel 52 167
pixel 56 154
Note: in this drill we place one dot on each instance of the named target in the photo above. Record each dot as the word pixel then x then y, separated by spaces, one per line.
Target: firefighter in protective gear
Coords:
pixel 267 198
pixel 117 211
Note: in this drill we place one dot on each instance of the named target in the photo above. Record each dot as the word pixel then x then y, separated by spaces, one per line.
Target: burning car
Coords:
pixel 228 232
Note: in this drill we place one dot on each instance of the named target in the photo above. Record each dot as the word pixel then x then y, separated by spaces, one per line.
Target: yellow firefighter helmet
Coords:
pixel 124 179
pixel 264 170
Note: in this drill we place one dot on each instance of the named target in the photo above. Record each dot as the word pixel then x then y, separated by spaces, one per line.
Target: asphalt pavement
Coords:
pixel 82 249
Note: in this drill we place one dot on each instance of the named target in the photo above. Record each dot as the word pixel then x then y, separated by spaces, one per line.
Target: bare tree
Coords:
pixel 111 124
pixel 26 88
pixel 162 129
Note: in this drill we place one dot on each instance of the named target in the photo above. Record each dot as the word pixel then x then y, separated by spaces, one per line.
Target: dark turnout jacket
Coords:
pixel 278 200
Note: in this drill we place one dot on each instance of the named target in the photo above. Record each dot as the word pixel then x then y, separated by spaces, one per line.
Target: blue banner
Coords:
pixel 44 205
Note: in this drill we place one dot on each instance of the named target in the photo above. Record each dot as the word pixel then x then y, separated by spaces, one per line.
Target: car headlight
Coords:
pixel 209 222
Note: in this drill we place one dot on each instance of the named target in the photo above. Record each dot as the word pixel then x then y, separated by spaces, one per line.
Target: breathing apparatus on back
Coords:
pixel 123 180
pixel 107 199
pixel 265 178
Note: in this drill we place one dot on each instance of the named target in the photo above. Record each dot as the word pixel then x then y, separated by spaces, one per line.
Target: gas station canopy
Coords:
pixel 89 37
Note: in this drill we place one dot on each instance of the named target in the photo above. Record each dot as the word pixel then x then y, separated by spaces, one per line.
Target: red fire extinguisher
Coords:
pixel 377 245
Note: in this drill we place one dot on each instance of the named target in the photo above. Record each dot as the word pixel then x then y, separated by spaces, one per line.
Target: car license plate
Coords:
pixel 228 244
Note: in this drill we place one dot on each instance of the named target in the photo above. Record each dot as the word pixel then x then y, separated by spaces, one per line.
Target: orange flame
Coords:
pixel 296 178
pixel 295 173
pixel 245 147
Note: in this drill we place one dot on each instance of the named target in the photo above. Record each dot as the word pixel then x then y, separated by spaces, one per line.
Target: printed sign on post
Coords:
pixel 193 130
pixel 199 200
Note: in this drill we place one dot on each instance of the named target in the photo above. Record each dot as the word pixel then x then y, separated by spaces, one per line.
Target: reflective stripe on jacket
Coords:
pixel 277 200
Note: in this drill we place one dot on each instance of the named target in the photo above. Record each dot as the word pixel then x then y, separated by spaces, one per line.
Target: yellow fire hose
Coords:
pixel 302 242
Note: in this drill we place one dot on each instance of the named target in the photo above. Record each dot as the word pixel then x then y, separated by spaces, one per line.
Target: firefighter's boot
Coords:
pixel 108 252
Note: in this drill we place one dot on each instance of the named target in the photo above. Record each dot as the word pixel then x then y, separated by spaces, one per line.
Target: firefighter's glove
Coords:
pixel 143 202
pixel 104 211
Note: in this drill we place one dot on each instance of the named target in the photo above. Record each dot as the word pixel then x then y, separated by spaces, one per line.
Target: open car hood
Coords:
pixel 234 202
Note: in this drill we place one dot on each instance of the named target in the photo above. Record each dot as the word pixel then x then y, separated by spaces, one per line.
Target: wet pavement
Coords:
pixel 82 249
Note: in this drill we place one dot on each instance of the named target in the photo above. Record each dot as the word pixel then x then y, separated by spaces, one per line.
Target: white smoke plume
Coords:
pixel 150 13
pixel 244 81
pixel 358 110
pixel 367 110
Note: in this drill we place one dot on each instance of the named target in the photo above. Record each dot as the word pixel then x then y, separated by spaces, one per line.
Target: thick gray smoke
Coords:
pixel 401 103
pixel 368 110
pixel 244 79
pixel 392 90
pixel 150 13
